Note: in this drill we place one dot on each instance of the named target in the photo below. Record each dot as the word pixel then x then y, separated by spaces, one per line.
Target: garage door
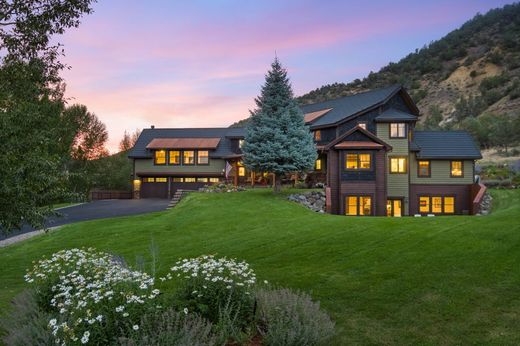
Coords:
pixel 154 187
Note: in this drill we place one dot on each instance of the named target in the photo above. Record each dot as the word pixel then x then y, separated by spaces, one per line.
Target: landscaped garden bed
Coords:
pixel 83 296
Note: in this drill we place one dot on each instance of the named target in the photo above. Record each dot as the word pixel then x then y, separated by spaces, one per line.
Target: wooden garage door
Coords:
pixel 154 187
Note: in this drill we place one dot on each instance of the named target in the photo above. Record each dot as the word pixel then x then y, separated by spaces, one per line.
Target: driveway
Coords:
pixel 99 210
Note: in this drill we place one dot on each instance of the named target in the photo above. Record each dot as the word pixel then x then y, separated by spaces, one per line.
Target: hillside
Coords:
pixel 386 281
pixel 471 71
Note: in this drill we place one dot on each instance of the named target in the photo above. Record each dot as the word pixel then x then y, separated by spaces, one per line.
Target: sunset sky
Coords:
pixel 201 63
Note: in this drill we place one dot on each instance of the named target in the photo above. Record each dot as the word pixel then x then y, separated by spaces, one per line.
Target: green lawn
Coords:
pixel 443 280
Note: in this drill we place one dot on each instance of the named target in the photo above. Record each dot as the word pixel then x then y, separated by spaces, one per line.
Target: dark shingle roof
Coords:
pixel 223 149
pixel 445 145
pixel 347 106
pixel 392 114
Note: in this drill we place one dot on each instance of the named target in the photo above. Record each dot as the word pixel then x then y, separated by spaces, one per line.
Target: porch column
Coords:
pixel 236 173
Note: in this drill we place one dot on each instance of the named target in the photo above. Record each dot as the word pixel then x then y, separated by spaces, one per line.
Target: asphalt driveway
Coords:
pixel 99 210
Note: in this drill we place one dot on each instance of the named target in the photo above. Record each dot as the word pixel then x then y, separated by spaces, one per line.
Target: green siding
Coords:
pixel 397 184
pixel 440 173
pixel 147 166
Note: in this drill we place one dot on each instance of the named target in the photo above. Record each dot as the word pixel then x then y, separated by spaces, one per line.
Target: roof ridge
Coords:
pixel 392 86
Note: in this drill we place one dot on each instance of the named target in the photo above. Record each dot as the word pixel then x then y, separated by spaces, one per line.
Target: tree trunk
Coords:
pixel 277 183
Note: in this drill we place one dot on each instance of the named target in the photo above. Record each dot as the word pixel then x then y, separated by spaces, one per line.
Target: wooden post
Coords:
pixel 253 179
pixel 236 173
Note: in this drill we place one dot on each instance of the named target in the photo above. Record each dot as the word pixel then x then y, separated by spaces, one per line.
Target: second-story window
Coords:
pixel 317 135
pixel 202 157
pixel 423 168
pixel 240 143
pixel 358 162
pixel 188 157
pixel 363 125
pixel 175 157
pixel 397 130
pixel 160 157
pixel 398 165
pixel 456 169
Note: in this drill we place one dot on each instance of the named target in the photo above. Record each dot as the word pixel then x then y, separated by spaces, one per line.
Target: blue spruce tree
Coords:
pixel 277 139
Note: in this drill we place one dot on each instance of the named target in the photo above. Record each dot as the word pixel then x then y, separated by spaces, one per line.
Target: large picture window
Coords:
pixel 358 205
pixel 398 165
pixel 160 157
pixel 456 169
pixel 202 157
pixel 188 157
pixel 397 130
pixel 437 204
pixel 358 161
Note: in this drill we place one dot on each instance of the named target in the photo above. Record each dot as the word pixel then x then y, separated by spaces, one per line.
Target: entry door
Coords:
pixel 394 207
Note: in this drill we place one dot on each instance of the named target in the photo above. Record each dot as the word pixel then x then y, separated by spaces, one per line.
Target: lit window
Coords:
pixel 175 157
pixel 363 125
pixel 177 180
pixel 449 205
pixel 161 180
pixel 202 180
pixel 202 157
pixel 398 165
pixel 317 135
pixel 364 161
pixel 361 205
pixel 160 157
pixel 188 157
pixel 351 205
pixel 317 165
pixel 214 180
pixel 358 161
pixel 240 143
pixel 423 168
pixel 365 205
pixel 241 171
pixel 424 204
pixel 437 205
pixel 148 180
pixel 397 130
pixel 190 180
pixel 456 168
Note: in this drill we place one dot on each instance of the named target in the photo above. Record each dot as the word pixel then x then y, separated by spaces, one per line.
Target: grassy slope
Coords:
pixel 446 280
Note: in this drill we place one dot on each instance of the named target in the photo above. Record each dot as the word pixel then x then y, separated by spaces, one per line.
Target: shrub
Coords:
pixel 171 328
pixel 26 324
pixel 215 288
pixel 292 318
pixel 92 296
pixel 221 187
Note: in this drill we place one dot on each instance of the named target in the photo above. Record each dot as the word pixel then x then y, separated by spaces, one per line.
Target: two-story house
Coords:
pixel 377 163
pixel 371 158
pixel 165 160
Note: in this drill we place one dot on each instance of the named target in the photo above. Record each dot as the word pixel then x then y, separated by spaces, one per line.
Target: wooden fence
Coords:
pixel 110 194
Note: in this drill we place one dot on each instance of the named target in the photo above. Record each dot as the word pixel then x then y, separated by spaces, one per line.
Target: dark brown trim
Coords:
pixel 351 131
pixel 429 169
pixel 390 157
pixel 461 168
pixel 398 123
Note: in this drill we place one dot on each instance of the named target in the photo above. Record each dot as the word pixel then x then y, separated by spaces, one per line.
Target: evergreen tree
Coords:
pixel 277 139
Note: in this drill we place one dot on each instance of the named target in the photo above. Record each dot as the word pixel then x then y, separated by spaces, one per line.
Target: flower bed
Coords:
pixel 219 188
pixel 83 296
